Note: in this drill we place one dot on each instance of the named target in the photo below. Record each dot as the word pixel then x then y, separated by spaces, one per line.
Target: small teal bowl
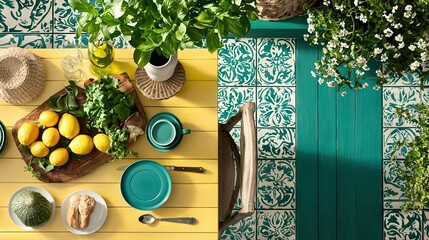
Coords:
pixel 145 185
pixel 3 137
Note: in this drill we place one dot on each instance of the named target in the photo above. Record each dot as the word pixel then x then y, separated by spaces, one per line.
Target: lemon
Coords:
pixel 38 149
pixel 68 126
pixel 28 133
pixel 59 157
pixel 102 142
pixel 50 137
pixel 48 118
pixel 82 144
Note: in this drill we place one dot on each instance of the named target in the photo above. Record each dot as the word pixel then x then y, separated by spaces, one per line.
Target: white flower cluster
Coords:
pixel 347 42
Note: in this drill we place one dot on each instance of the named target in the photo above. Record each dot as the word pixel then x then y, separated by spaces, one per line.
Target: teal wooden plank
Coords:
pixel 369 185
pixel 346 167
pixel 295 27
pixel 306 143
pixel 327 155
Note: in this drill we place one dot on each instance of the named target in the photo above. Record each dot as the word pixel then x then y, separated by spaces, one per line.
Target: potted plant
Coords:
pixel 351 33
pixel 415 170
pixel 164 26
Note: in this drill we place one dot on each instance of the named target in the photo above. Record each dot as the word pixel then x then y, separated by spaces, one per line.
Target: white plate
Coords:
pixel 97 217
pixel 45 194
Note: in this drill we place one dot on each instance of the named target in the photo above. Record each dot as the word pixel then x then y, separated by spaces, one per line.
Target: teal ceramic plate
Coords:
pixel 3 139
pixel 145 185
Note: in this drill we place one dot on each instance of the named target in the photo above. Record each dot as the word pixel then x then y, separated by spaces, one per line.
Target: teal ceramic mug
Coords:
pixel 164 131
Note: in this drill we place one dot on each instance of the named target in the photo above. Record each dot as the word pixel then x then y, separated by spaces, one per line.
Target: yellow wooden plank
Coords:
pixel 182 195
pixel 205 96
pixel 194 145
pixel 42 235
pixel 195 69
pixel 13 171
pixel 9 114
pixel 122 220
pixel 196 119
pixel 197 54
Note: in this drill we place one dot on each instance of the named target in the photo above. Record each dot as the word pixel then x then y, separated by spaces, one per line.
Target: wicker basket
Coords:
pixel 276 10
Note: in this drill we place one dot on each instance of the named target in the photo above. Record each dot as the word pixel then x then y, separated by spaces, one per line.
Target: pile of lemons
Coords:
pixel 68 127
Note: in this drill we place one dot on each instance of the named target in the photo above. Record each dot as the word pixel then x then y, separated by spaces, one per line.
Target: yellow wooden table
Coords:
pixel 193 194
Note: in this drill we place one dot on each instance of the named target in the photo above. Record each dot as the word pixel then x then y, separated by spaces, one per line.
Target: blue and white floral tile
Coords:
pixel 276 143
pixel 276 224
pixel 399 225
pixel 237 62
pixel 70 41
pixel 65 17
pixel 391 136
pixel 276 62
pixel 393 185
pixel 425 95
pixel 276 107
pixel 26 16
pixel 399 97
pixel 67 40
pixel 276 184
pixel 26 40
pixel 241 230
pixel 426 224
pixel 230 100
pixel 404 79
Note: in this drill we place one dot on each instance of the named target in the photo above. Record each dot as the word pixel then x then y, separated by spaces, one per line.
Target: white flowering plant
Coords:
pixel 351 33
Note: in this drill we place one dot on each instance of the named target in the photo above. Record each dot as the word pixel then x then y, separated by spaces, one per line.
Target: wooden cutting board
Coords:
pixel 74 168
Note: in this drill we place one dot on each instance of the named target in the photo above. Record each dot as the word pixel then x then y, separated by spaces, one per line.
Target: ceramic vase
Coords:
pixel 161 70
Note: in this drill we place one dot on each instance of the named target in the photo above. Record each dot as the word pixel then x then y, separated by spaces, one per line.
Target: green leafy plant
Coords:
pixel 164 25
pixel 106 108
pixel 351 33
pixel 67 102
pixel 415 171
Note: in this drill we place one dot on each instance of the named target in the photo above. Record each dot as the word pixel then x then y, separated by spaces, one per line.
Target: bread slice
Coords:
pixel 73 212
pixel 86 208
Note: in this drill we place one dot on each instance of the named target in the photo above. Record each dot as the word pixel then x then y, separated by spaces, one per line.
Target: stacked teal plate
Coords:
pixel 3 137
pixel 145 185
pixel 164 132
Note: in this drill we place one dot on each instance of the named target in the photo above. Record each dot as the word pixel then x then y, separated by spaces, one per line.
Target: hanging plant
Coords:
pixel 351 33
pixel 415 171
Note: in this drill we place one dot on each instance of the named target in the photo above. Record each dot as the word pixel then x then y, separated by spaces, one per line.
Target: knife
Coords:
pixel 174 168
pixel 185 169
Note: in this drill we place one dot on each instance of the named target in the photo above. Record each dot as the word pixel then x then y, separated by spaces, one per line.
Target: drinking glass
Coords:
pixel 101 54
pixel 72 63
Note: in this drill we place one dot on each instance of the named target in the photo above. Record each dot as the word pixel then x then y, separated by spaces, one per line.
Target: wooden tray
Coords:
pixel 87 163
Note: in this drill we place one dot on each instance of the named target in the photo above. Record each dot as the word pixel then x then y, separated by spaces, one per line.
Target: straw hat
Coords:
pixel 22 75
pixel 160 90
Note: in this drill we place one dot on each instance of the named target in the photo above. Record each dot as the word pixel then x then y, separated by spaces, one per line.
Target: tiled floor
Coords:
pixel 401 92
pixel 263 70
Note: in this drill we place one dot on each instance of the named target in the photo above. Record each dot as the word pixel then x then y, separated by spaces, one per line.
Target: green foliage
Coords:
pixel 351 33
pixel 67 102
pixel 416 164
pixel 165 25
pixel 106 108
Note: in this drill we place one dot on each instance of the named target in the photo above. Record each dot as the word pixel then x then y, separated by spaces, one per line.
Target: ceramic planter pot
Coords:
pixel 159 68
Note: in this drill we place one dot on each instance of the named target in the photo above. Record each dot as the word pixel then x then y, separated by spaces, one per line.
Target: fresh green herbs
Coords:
pixel 415 170
pixel 164 25
pixel 105 108
pixel 67 102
